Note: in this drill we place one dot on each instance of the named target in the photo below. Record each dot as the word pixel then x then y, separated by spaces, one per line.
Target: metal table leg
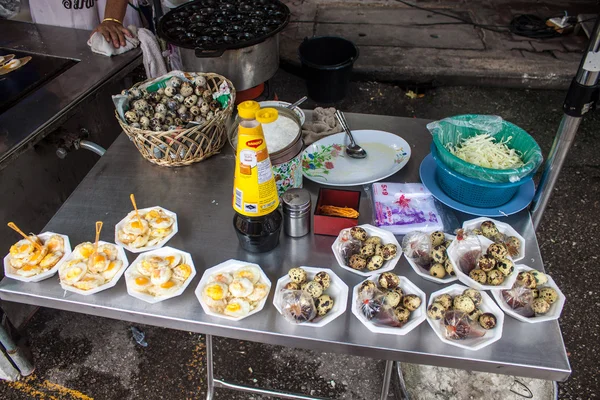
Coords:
pixel 210 381
pixel 387 377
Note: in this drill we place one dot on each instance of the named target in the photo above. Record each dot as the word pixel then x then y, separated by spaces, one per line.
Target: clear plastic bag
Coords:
pixel 458 326
pixel 297 306
pixel 520 299
pixel 372 304
pixel 417 246
pixel 469 249
pixel 449 132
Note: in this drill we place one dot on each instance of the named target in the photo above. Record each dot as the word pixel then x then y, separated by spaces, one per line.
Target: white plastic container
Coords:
pixel 160 244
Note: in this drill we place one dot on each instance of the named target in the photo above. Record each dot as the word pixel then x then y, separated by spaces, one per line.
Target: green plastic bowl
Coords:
pixel 454 129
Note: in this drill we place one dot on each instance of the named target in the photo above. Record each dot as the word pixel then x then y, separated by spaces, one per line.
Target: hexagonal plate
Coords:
pixel 488 305
pixel 416 317
pixel 386 238
pixel 163 252
pixel 466 279
pixel 229 266
pixel 150 248
pixel 337 290
pixel 122 256
pixel 502 227
pixel 423 273
pixel 11 272
pixel 555 309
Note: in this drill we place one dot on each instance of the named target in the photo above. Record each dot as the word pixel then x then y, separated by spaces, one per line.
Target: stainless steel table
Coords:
pixel 201 195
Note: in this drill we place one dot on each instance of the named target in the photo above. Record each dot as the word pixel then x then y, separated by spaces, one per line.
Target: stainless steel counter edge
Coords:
pixel 33 114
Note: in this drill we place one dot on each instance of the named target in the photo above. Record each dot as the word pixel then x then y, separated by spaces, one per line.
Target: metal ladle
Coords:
pixel 296 104
pixel 353 150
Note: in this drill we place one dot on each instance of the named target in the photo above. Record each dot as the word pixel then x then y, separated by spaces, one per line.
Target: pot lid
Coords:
pixel 210 25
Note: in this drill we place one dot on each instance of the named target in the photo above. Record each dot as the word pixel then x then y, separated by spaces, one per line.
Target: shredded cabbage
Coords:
pixel 484 151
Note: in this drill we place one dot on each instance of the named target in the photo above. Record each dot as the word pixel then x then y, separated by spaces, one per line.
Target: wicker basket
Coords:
pixel 181 147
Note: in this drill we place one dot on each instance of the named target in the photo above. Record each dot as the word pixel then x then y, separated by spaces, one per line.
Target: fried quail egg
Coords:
pixel 18 262
pixel 162 222
pixel 29 270
pixel 125 237
pixel 156 233
pixel 98 263
pixel 111 251
pixel 140 283
pixel 83 250
pixel 72 271
pixel 249 272
pixel 22 249
pixel 166 288
pixel 260 291
pixel 50 260
pixel 135 226
pixel 222 277
pixel 182 272
pixel 161 275
pixel 215 291
pixel 111 269
pixel 173 260
pixel 37 255
pixel 55 243
pixel 89 282
pixel 237 308
pixel 241 287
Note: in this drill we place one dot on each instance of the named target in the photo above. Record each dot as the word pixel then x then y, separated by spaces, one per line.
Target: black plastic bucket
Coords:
pixel 327 64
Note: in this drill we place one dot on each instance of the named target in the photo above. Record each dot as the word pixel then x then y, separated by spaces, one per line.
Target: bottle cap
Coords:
pixel 248 109
pixel 266 115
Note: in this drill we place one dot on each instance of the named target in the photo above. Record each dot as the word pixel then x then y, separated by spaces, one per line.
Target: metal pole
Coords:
pixel 210 382
pixel 16 355
pixel 387 378
pixel 586 78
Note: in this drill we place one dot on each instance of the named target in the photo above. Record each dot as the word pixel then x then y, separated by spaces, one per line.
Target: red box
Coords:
pixel 330 225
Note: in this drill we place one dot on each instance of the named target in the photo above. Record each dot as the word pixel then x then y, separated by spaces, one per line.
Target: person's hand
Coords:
pixel 113 32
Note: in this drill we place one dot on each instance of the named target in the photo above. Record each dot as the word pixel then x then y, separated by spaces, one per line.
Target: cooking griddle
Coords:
pixel 17 84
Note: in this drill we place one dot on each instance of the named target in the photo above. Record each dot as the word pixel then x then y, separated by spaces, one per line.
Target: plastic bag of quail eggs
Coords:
pixel 297 306
pixel 349 248
pixel 520 299
pixel 416 245
pixel 469 249
pixel 458 326
pixel 375 306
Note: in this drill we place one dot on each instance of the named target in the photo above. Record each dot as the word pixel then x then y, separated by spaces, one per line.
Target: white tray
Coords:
pixel 555 309
pixel 122 257
pixel 229 266
pixel 466 279
pixel 147 248
pixel 163 252
pixel 416 317
pixel 503 227
pixel 11 272
pixel 386 238
pixel 337 290
pixel 488 305
pixel 423 273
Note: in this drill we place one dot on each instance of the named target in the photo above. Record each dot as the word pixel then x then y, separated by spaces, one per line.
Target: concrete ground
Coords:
pixel 398 42
pixel 82 357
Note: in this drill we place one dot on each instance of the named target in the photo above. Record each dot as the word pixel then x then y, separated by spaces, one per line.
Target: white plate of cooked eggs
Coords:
pixel 152 231
pixel 160 274
pixel 80 274
pixel 26 263
pixel 233 290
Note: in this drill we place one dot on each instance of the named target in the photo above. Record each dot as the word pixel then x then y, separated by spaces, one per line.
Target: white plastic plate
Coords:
pixel 11 272
pixel 416 317
pixel 423 273
pixel 337 290
pixel 122 256
pixel 503 227
pixel 386 238
pixel 466 279
pixel 487 306
pixel 229 266
pixel 163 252
pixel 147 248
pixel 555 309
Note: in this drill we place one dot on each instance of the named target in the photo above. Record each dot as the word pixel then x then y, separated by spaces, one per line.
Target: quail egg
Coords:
pixel 389 280
pixel 540 277
pixel 389 251
pixel 437 270
pixel 373 240
pixel 437 238
pixel 204 108
pixel 392 298
pixel 411 302
pixel 237 308
pixel 540 306
pixel 207 95
pixel 190 101
pixel 140 105
pixel 172 105
pixel 145 122
pixel 445 300
pixel 135 125
pixel 292 286
pixel 449 267
pixel 436 311
pixel 367 286
pixel 182 110
pixel 535 293
pixel 486 263
pixel 179 98
pixel 131 116
pixel 475 314
pixel 527 279
pixel 72 272
pixel 182 272
pixel 260 291
pixel 323 278
pixel 478 276
pixel 375 263
pixel 174 82
pixel 475 295
pixel 497 250
pixel 368 250
pixel 549 295
pixel 358 233
pixel 29 270
pixel 170 91
pixel 195 111
pixel 199 81
pixel 214 105
pixel 297 275
pixel 463 303
pixel 160 117
pixel 314 289
pixel 513 244
pixel 379 250
pixel 402 314
pixel 161 275
pixel 140 283
pixel 135 93
pixel 505 266
pixel 186 90
pixel 160 108
pixel 324 304
pixel 438 254
pixel 241 287
pixel 495 277
pixel 250 272
pixel 489 229
pixel 487 320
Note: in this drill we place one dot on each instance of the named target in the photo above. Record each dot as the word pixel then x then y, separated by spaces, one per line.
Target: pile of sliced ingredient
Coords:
pixel 483 150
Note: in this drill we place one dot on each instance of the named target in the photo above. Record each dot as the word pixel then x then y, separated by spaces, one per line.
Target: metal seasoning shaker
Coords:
pixel 296 212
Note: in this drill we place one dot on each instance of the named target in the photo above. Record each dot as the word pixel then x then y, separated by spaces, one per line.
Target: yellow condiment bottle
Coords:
pixel 254 189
